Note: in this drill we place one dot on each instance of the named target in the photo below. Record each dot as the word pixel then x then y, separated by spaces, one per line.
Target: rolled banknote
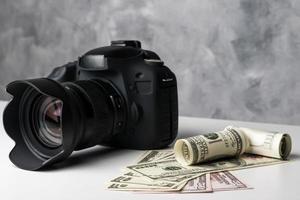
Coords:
pixel 271 144
pixel 227 143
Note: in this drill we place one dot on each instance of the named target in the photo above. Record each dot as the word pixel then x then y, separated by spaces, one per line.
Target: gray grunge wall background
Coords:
pixel 234 59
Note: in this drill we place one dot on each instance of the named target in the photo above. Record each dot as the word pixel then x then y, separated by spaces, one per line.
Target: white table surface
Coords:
pixel 85 174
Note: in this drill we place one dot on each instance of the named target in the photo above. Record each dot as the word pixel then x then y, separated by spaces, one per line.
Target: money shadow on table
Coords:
pixel 294 156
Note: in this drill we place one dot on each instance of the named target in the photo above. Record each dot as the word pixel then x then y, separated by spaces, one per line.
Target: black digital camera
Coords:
pixel 118 95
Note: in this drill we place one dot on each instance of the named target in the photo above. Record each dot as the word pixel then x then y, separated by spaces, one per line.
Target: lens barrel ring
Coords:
pixel 118 103
pixel 102 108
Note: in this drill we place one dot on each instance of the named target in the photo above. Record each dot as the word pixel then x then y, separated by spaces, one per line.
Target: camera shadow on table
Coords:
pixel 85 158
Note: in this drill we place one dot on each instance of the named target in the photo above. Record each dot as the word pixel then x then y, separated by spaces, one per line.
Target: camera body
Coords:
pixel 119 95
pixel 146 100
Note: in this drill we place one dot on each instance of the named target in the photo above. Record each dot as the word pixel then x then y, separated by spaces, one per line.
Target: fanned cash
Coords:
pixel 134 181
pixel 158 171
pixel 188 170
pixel 171 168
pixel 131 180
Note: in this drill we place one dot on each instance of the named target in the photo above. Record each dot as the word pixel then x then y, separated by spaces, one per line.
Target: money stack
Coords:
pixel 191 167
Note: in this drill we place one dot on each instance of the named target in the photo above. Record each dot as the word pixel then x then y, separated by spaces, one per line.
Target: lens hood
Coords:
pixel 24 154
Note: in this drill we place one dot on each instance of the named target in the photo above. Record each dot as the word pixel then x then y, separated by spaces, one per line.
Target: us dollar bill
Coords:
pixel 131 180
pixel 198 185
pixel 141 183
pixel 225 181
pixel 172 179
pixel 211 146
pixel 135 181
pixel 161 155
pixel 271 144
pixel 139 187
pixel 218 181
pixel 155 155
pixel 213 182
pixel 131 177
pixel 158 171
pixel 172 168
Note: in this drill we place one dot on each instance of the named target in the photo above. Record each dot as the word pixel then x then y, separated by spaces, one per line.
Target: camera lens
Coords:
pixel 52 119
pixel 48 121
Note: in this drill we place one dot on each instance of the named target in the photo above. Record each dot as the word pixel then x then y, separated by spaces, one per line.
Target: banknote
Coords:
pixel 170 156
pixel 133 181
pixel 136 177
pixel 155 155
pixel 136 182
pixel 139 187
pixel 198 185
pixel 225 181
pixel 211 182
pixel 271 144
pixel 142 183
pixel 210 146
pixel 142 180
pixel 232 141
pixel 191 169
pixel 160 155
pixel 171 168
pixel 158 171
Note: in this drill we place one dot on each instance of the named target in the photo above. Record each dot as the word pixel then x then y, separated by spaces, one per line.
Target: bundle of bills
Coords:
pixel 232 141
pixel 158 171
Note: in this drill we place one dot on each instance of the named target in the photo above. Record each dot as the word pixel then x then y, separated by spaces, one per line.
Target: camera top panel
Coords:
pixel 115 52
pixel 119 49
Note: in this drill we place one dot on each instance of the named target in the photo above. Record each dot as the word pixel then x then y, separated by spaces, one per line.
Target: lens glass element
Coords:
pixel 48 119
